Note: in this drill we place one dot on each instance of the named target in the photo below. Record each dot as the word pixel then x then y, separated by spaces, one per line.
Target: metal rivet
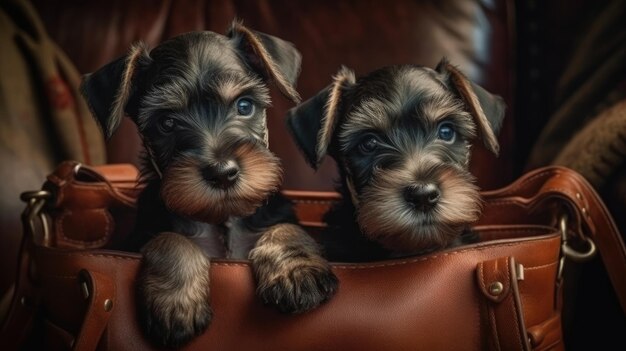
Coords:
pixel 85 290
pixel 584 211
pixel 519 271
pixel 496 288
pixel 578 196
pixel 108 305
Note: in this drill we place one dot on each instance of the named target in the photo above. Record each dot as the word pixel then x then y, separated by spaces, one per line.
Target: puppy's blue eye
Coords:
pixel 446 132
pixel 167 124
pixel 369 144
pixel 245 107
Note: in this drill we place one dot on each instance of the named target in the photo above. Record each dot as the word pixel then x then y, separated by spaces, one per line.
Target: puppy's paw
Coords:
pixel 290 273
pixel 173 291
pixel 299 288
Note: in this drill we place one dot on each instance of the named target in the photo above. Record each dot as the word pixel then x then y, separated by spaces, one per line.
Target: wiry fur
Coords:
pixel 290 274
pixel 117 113
pixel 186 192
pixel 182 95
pixel 284 84
pixel 384 212
pixel 386 218
pixel 185 287
pixel 344 77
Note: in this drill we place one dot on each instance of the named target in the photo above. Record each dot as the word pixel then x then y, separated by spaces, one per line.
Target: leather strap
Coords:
pixel 101 291
pixel 18 322
pixel 591 219
pixel 497 280
pixel 596 222
pixel 547 333
pixel 589 216
pixel 83 201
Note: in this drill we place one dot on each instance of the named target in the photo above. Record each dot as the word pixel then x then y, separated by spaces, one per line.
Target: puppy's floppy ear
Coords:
pixel 305 121
pixel 111 91
pixel 486 109
pixel 312 123
pixel 271 57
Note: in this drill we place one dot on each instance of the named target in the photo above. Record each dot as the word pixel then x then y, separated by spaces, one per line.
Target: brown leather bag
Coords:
pixel 503 293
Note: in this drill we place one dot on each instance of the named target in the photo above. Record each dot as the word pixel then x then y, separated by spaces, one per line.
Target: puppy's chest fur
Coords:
pixel 234 238
pixel 231 239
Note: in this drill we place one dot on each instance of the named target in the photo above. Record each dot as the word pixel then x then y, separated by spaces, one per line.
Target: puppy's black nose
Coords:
pixel 423 197
pixel 222 175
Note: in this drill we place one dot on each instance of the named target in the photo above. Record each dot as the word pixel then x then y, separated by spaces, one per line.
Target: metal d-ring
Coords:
pixel 572 253
pixel 35 201
pixel 77 168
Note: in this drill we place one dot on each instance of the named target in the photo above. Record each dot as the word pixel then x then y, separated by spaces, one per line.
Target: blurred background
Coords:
pixel 560 66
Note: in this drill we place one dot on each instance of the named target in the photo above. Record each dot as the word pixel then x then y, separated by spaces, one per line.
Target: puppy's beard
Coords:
pixel 188 194
pixel 384 215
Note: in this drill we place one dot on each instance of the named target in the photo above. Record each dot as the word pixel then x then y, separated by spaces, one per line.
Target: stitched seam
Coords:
pixel 430 257
pixel 504 202
pixel 60 253
pixel 513 301
pixel 339 266
pixel 495 328
pixel 482 276
pixel 538 231
pixel 540 266
pixel 507 277
pixel 95 185
pixel 588 218
pixel 107 226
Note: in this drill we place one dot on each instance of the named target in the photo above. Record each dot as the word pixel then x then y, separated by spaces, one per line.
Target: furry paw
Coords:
pixel 300 289
pixel 290 272
pixel 173 291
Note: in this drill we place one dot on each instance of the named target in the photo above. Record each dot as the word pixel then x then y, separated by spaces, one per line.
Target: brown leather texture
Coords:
pixel 504 313
pixel 502 293
pixel 99 290
pixel 91 211
pixel 431 301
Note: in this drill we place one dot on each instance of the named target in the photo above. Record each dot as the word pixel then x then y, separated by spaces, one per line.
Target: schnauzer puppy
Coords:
pixel 211 183
pixel 401 139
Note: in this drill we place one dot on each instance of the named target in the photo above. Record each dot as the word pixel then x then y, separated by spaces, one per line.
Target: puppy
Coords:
pixel 401 139
pixel 210 182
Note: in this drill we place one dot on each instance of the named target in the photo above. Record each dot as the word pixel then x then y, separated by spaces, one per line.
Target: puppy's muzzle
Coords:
pixel 423 197
pixel 222 175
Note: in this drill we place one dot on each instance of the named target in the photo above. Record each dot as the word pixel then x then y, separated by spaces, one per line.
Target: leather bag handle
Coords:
pixel 589 217
pixel 100 290
pixel 497 280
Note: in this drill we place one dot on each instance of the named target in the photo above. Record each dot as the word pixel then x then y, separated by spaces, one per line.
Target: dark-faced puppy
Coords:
pixel 211 183
pixel 401 139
